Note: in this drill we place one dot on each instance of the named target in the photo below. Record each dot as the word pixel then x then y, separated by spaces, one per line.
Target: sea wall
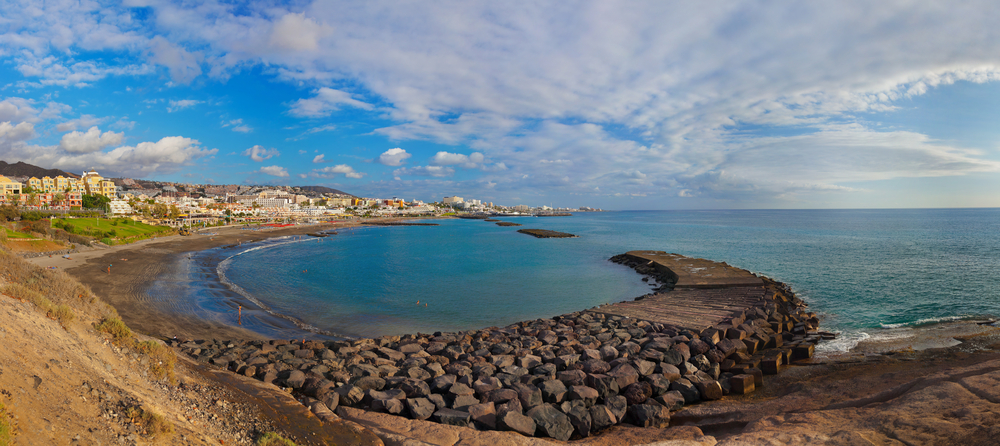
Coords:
pixel 564 377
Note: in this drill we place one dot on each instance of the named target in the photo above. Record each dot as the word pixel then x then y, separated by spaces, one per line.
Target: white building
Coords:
pixel 120 207
pixel 451 200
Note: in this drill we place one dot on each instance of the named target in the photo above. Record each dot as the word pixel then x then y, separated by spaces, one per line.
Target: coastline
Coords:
pixel 825 383
pixel 136 267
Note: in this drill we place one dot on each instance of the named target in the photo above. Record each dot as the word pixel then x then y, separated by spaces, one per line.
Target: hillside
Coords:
pixel 323 190
pixel 24 169
pixel 72 373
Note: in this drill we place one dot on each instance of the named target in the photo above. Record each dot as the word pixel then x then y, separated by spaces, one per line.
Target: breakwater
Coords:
pixel 561 377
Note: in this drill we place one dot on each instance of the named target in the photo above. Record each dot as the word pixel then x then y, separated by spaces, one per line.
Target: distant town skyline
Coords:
pixel 637 105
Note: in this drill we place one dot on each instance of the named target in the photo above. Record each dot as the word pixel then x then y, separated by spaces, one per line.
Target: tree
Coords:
pixel 160 210
pixel 9 213
pixel 58 199
pixel 174 212
pixel 94 201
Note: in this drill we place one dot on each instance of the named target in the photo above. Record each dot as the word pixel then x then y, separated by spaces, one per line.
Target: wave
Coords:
pixel 224 266
pixel 931 320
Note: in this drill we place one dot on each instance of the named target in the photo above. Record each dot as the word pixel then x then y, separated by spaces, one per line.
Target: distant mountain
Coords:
pixel 23 169
pixel 323 190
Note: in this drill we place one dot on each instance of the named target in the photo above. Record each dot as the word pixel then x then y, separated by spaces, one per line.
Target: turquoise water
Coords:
pixel 862 270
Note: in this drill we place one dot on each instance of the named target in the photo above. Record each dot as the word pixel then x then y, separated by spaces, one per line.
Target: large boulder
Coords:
pixel 420 408
pixel 517 422
pixel 649 415
pixel 551 422
pixel 601 418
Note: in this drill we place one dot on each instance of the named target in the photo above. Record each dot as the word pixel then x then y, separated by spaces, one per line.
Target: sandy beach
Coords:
pixel 136 265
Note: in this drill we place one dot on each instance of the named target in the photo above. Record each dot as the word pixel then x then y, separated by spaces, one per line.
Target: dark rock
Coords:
pixel 673 357
pixel 529 395
pixel 578 415
pixel 658 383
pixel 484 415
pixel 414 388
pixel 513 405
pixel 605 385
pixel 553 391
pixel 586 394
pixel 601 418
pixel 617 405
pixel 637 393
pixel 687 390
pixel 452 417
pixel 698 347
pixel 391 405
pixel 551 422
pixel 672 400
pixel 572 377
pixel 369 383
pixel 502 395
pixel 462 402
pixel 649 415
pixel 349 394
pixel 672 373
pixel 515 421
pixel 595 366
pixel 438 400
pixel 644 368
pixel 625 374
pixel 460 389
pixel 295 379
pixel 442 383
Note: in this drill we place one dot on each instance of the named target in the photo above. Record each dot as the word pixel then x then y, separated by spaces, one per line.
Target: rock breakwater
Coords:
pixel 564 377
pixel 545 233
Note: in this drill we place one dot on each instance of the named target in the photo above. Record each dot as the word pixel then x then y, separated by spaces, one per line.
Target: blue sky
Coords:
pixel 637 105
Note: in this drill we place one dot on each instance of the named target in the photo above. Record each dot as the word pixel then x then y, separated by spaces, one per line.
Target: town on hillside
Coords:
pixel 190 205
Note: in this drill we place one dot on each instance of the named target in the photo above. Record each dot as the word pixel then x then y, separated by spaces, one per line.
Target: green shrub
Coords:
pixel 6 427
pixel 120 332
pixel 273 439
pixel 151 424
pixel 161 360
pixel 23 292
pixel 62 313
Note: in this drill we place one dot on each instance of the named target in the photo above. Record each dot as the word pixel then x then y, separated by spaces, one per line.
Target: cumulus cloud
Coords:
pixel 319 159
pixel 90 141
pixel 447 159
pixel 259 153
pixel 275 171
pixel 20 132
pixel 393 157
pixel 83 121
pixel 167 155
pixel 425 171
pixel 333 171
pixel 182 104
pixel 325 102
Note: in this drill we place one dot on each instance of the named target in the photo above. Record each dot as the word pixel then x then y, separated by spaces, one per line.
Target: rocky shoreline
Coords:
pixel 564 377
pixel 545 233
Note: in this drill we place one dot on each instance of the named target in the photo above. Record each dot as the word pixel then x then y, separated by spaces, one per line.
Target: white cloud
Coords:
pixel 167 155
pixel 319 159
pixel 259 153
pixel 275 171
pixel 394 157
pixel 296 32
pixel 182 104
pixel 446 159
pixel 21 132
pixel 91 141
pixel 243 128
pixel 184 66
pixel 124 124
pixel 83 121
pixel 426 171
pixel 325 101
pixel 333 171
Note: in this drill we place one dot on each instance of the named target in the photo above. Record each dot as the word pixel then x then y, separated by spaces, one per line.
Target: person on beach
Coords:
pixel 109 269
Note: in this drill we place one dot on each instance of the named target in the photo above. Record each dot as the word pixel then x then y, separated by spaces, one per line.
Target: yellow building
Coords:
pixel 9 186
pixel 95 184
pixel 35 183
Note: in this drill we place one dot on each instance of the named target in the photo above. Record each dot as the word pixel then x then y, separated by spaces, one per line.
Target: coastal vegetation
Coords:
pixel 273 439
pixel 111 231
pixel 151 424
pixel 6 427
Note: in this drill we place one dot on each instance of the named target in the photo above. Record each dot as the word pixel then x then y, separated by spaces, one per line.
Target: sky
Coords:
pixel 611 104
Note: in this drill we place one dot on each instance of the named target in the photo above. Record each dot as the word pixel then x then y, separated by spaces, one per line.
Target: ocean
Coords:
pixel 865 272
